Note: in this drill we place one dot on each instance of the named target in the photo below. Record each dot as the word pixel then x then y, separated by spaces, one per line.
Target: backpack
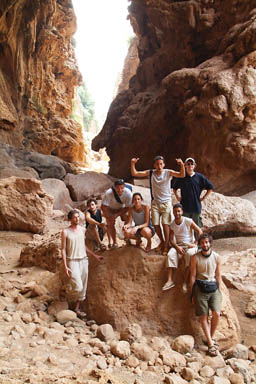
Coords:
pixel 150 183
pixel 128 186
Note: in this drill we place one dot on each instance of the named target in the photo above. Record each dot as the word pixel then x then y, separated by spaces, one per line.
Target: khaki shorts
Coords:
pixel 206 301
pixel 173 257
pixel 163 210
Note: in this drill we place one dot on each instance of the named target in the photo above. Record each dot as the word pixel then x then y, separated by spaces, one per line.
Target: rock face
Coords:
pixel 193 93
pixel 38 73
pixel 24 205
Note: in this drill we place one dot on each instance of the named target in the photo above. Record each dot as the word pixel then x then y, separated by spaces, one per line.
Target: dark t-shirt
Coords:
pixel 191 188
pixel 96 217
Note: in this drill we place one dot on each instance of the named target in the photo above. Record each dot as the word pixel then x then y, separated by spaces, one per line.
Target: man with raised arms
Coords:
pixel 161 205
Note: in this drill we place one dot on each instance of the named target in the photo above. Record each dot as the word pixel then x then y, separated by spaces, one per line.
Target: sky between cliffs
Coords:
pixel 102 38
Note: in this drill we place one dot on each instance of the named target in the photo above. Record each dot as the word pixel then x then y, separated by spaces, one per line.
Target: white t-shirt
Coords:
pixel 110 201
pixel 183 232
pixel 161 187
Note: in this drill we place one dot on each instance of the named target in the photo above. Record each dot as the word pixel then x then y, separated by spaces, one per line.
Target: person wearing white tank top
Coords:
pixel 183 245
pixel 75 261
pixel 161 205
pixel 206 267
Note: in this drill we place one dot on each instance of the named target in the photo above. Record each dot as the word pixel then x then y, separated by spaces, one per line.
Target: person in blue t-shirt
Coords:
pixel 191 187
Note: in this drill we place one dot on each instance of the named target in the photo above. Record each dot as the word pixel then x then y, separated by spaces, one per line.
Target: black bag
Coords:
pixel 128 186
pixel 207 286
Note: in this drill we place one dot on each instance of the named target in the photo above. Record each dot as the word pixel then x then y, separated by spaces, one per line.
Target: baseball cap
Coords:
pixel 190 159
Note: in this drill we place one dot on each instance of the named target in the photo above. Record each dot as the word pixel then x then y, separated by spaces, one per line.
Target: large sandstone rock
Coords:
pixel 229 216
pixel 88 184
pixel 193 93
pixel 37 85
pixel 24 205
pixel 59 191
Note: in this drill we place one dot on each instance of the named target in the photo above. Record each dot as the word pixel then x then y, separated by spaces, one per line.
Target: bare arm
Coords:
pixel 98 257
pixel 134 171
pixel 126 226
pixel 192 271
pixel 182 172
pixel 218 274
pixel 208 192
pixel 197 229
pixel 177 195
pixel 63 252
pixel 146 223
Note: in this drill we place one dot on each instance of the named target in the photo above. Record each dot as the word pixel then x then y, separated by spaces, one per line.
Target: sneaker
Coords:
pixel 168 286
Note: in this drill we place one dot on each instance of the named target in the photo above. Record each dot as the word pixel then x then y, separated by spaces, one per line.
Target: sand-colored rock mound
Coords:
pixel 24 205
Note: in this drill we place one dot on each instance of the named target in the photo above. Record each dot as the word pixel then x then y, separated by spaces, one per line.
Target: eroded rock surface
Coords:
pixel 193 93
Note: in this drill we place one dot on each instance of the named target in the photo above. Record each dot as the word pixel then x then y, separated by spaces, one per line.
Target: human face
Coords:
pixel 75 219
pixel 205 245
pixel 177 213
pixel 159 165
pixel 119 189
pixel 137 201
pixel 190 166
pixel 92 206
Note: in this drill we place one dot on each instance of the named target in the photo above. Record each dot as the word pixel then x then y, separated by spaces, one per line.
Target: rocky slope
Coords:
pixel 38 73
pixel 193 93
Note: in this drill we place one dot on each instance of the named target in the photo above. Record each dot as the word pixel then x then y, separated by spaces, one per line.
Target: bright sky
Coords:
pixel 101 46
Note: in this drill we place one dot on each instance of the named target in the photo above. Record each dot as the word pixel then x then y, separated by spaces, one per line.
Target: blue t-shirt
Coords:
pixel 191 188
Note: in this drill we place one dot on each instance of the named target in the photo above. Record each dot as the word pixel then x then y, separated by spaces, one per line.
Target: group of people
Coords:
pixel 180 238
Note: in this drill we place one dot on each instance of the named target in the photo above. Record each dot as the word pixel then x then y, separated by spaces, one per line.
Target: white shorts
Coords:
pixel 173 257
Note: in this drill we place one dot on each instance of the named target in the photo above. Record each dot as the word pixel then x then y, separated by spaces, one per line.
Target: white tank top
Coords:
pixel 206 266
pixel 75 246
pixel 183 232
pixel 161 188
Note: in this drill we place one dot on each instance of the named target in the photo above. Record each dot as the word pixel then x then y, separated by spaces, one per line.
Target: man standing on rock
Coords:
pixel 75 260
pixel 183 245
pixel 116 202
pixel 205 283
pixel 191 187
pixel 161 205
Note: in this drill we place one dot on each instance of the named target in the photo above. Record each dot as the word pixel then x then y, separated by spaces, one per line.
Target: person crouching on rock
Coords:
pixel 206 284
pixel 75 260
pixel 116 202
pixel 140 215
pixel 95 228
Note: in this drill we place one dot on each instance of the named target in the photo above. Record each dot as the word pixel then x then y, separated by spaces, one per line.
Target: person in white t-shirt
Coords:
pixel 116 202
pixel 161 205
pixel 183 245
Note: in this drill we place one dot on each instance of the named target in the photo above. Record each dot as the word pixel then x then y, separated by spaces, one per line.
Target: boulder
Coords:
pixel 131 333
pixel 24 205
pixel 228 216
pixel 88 184
pixel 183 344
pixel 65 315
pixel 105 332
pixel 173 359
pixel 121 349
pixel 25 172
pixel 250 309
pixel 59 191
pixel 251 196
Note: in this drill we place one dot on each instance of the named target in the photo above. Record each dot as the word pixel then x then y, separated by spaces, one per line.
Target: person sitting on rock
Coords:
pixel 161 196
pixel 116 203
pixel 75 260
pixel 140 215
pixel 183 245
pixel 205 285
pixel 95 228
pixel 191 187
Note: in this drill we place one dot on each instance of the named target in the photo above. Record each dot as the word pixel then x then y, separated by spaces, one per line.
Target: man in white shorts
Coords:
pixel 183 245
pixel 161 205
pixel 116 202
pixel 75 260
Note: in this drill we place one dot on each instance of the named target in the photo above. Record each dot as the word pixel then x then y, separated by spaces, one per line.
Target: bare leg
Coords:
pixel 159 234
pixel 147 233
pixel 112 230
pixel 214 322
pixel 166 229
pixel 206 329
pixel 95 234
pixel 169 275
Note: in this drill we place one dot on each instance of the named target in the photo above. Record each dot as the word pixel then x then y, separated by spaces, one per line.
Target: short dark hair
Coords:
pixel 137 194
pixel 90 201
pixel 205 236
pixel 178 205
pixel 119 182
pixel 71 213
pixel 158 158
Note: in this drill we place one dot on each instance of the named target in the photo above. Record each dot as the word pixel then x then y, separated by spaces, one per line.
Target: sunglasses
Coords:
pixel 189 163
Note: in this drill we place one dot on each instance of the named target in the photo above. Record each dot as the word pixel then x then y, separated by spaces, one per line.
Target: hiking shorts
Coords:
pixel 206 301
pixel 173 257
pixel 196 217
pixel 161 210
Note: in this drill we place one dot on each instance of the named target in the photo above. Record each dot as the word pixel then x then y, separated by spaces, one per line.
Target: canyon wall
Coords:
pixel 38 74
pixel 193 93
